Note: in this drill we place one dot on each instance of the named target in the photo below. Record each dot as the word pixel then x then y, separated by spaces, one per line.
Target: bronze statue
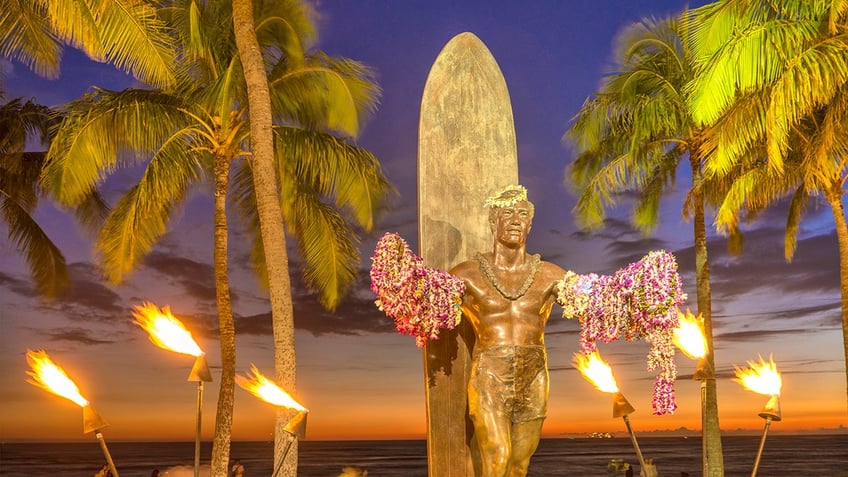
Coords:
pixel 507 296
pixel 508 299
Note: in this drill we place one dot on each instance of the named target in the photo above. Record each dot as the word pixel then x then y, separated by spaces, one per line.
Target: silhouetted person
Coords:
pixel 238 469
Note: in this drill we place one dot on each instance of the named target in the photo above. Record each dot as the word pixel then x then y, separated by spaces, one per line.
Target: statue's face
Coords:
pixel 512 223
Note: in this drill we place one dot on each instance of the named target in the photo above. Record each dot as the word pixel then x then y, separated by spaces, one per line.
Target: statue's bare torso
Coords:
pixel 508 299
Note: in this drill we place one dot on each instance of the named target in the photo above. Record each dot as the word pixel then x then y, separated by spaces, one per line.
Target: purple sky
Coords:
pixel 357 376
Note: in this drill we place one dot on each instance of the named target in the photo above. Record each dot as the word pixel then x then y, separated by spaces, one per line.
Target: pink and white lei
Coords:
pixel 420 299
pixel 638 301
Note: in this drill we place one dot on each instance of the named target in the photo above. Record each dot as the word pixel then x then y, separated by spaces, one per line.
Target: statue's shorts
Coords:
pixel 509 380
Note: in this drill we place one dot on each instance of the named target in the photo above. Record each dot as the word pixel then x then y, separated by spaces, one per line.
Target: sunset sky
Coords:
pixel 361 380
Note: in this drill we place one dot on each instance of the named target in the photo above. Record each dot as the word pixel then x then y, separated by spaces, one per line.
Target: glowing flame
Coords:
pixel 762 377
pixel 166 331
pixel 267 390
pixel 47 375
pixel 596 371
pixel 689 335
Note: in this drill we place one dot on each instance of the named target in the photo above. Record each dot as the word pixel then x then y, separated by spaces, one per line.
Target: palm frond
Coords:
pixel 600 188
pixel 348 175
pixel 811 79
pixel 102 128
pixel 126 33
pixel 45 260
pixel 793 222
pixel 141 216
pixel 735 133
pixel 329 248
pixel 287 28
pixel 751 58
pixel 27 36
pixel 325 92
pixel 21 122
pixel 661 174
pixel 243 196
pixel 826 153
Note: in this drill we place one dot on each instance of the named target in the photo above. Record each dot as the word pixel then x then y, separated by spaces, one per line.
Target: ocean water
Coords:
pixel 783 456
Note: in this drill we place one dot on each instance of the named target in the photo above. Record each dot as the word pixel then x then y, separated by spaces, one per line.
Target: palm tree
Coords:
pixel 200 128
pixel 19 193
pixel 270 219
pixel 787 98
pixel 631 136
pixel 316 222
pixel 126 33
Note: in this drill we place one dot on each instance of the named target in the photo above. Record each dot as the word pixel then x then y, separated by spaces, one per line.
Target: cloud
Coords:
pixel 19 287
pixel 196 278
pixel 87 297
pixel 762 334
pixel 75 335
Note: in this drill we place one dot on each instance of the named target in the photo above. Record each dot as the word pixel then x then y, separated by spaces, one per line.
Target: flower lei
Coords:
pixel 508 196
pixel 639 301
pixel 420 299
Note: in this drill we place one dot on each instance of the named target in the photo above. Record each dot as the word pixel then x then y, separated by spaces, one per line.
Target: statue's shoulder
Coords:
pixel 551 270
pixel 468 267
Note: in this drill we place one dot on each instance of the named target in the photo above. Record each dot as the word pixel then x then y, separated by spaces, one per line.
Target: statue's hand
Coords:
pixel 574 294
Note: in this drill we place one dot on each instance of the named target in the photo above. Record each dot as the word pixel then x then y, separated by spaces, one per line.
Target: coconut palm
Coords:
pixel 199 130
pixel 631 136
pixel 269 218
pixel 786 96
pixel 126 33
pixel 129 35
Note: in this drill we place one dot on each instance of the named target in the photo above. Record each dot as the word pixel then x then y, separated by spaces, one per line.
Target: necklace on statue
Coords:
pixel 486 268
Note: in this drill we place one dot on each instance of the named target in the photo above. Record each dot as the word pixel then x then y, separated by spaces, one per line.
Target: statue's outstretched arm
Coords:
pixel 638 301
pixel 420 299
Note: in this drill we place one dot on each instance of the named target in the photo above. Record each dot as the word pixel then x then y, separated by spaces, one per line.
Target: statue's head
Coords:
pixel 507 197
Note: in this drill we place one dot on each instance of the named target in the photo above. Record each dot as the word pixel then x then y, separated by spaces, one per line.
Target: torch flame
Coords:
pixel 762 377
pixel 267 390
pixel 47 375
pixel 689 335
pixel 165 331
pixel 596 371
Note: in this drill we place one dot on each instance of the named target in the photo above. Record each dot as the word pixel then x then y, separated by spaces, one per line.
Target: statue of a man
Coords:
pixel 508 298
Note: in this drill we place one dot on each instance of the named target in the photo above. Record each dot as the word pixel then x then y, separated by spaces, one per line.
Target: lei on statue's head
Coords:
pixel 509 195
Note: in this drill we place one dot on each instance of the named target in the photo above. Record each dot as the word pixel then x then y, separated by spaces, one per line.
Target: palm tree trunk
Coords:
pixel 710 432
pixel 226 327
pixel 834 198
pixel 270 220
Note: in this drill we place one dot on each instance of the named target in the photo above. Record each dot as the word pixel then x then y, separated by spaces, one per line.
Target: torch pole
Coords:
pixel 705 373
pixel 289 441
pixel 197 429
pixel 199 373
pixel 771 412
pixel 762 444
pixel 106 453
pixel 635 443
pixel 705 462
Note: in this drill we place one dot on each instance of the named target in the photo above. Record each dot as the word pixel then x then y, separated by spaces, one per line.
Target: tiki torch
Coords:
pixel 690 337
pixel 167 332
pixel 599 373
pixel 49 376
pixel 268 391
pixel 762 378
